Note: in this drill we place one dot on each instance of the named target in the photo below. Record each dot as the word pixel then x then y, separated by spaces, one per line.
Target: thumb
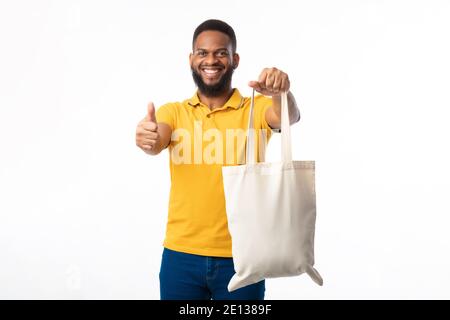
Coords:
pixel 255 85
pixel 151 112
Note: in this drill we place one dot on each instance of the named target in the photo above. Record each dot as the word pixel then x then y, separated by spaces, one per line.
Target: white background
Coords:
pixel 83 210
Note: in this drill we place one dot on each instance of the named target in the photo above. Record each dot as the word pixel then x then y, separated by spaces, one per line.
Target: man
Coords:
pixel 201 133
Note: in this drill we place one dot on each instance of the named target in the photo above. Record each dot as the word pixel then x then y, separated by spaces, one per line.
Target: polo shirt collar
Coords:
pixel 236 100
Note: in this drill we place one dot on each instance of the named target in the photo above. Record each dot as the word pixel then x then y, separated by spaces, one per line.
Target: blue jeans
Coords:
pixel 186 276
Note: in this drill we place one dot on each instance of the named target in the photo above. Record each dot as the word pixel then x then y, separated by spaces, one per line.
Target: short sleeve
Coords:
pixel 166 114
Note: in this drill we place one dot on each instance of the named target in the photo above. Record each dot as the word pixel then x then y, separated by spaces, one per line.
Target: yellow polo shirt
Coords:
pixel 203 141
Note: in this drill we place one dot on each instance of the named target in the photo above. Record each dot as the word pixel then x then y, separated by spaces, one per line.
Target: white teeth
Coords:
pixel 210 71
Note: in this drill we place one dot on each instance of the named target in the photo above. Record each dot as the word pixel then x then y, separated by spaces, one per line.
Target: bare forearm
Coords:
pixel 294 112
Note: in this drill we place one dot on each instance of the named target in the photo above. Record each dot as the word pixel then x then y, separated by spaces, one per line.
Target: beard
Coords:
pixel 214 90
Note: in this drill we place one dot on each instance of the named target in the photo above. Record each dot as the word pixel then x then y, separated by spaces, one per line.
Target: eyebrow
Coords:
pixel 198 49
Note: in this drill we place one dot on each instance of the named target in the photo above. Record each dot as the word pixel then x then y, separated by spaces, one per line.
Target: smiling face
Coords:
pixel 212 63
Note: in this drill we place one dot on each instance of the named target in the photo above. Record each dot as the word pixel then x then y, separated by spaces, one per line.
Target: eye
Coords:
pixel 222 53
pixel 201 53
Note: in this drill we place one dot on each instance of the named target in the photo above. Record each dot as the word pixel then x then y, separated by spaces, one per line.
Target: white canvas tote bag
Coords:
pixel 271 210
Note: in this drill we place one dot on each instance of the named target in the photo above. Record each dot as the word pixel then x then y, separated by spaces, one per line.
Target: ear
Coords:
pixel 191 56
pixel 235 60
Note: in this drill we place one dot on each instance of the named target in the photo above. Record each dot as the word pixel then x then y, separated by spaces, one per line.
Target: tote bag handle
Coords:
pixel 286 147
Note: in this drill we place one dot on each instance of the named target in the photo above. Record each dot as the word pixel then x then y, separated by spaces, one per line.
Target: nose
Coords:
pixel 211 58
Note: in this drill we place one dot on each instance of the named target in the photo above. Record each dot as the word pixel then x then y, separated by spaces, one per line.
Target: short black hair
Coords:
pixel 216 25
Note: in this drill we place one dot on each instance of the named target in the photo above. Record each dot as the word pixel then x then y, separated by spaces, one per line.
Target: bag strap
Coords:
pixel 250 150
pixel 286 147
